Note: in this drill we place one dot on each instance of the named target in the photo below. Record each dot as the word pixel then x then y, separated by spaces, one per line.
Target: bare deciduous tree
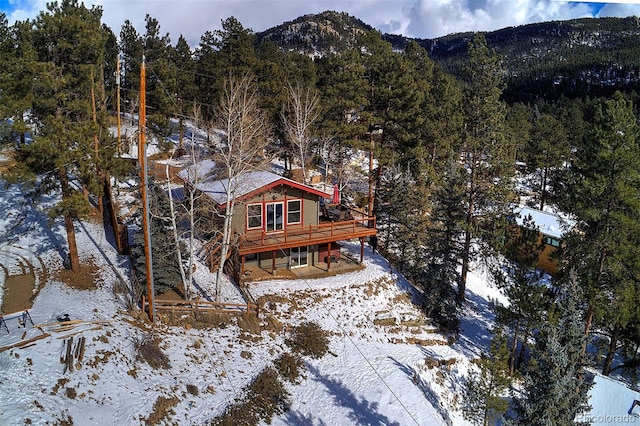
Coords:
pixel 298 117
pixel 243 150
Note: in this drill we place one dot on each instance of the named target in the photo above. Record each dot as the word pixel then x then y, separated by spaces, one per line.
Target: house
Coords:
pixel 277 222
pixel 551 228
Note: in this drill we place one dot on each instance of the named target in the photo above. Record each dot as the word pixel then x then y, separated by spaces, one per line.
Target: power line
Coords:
pixel 362 354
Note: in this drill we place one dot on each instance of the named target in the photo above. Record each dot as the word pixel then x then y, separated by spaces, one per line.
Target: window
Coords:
pixel 254 216
pixel 294 211
pixel 275 216
pixel 551 241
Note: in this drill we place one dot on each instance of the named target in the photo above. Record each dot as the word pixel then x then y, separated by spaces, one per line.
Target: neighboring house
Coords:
pixel 277 222
pixel 611 402
pixel 551 228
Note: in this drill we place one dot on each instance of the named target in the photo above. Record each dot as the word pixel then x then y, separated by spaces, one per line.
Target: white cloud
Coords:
pixel 415 18
pixel 435 18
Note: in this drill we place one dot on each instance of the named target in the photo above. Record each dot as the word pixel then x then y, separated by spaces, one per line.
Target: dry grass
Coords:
pixel 161 409
pixel 309 339
pixel 148 350
pixel 193 390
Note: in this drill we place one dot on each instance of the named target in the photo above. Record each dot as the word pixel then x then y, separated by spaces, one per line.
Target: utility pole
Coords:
pixel 142 159
pixel 118 99
pixel 370 212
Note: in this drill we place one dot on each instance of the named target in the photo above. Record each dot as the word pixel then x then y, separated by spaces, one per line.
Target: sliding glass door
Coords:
pixel 299 256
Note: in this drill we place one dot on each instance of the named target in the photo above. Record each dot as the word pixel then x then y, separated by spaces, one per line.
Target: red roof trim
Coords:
pixel 285 182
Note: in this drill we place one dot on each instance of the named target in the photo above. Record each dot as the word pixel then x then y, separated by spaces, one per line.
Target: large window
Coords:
pixel 275 216
pixel 294 211
pixel 254 216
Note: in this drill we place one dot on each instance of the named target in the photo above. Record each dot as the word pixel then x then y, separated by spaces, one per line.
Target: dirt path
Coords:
pixel 18 290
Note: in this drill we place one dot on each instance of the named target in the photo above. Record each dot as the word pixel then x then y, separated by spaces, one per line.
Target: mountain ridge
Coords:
pixel 576 58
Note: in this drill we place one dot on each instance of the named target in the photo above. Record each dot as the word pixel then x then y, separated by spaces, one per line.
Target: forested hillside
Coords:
pixel 575 58
pixel 462 132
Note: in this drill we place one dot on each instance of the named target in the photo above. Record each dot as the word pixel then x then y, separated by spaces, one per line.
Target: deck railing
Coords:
pixel 344 229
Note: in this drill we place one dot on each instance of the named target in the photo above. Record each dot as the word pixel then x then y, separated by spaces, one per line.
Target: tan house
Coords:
pixel 551 228
pixel 277 222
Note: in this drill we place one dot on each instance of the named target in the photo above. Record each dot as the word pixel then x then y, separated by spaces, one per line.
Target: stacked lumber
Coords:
pixel 72 351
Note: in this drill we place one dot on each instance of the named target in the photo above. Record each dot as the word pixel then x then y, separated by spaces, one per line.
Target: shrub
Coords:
pixel 289 366
pixel 149 351
pixel 193 390
pixel 309 339
pixel 264 398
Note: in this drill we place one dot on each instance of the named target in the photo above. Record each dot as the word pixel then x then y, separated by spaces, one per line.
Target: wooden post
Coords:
pixel 273 262
pixel 370 212
pixel 361 249
pixel 118 100
pixel 242 265
pixel 328 255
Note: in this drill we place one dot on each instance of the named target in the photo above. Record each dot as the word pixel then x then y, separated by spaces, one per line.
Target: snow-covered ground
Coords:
pixel 376 372
pixel 386 365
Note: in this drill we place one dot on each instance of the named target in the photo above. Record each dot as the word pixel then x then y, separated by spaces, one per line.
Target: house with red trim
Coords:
pixel 277 222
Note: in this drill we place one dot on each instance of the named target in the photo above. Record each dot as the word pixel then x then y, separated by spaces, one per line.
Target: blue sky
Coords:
pixel 414 18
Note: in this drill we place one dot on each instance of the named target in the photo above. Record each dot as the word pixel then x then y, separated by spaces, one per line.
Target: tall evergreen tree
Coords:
pixel 547 149
pixel 221 54
pixel 131 47
pixel 166 270
pixel 484 399
pixel 486 154
pixel 342 83
pixel 555 388
pixel 443 250
pixel 70 46
pixel 16 79
pixel 162 81
pixel 527 296
pixel 602 190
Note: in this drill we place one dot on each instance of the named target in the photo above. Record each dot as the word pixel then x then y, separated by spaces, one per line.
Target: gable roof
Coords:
pixel 246 185
pixel 548 224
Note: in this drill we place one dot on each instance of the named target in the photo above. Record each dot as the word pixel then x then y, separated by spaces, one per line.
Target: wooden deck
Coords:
pixel 257 242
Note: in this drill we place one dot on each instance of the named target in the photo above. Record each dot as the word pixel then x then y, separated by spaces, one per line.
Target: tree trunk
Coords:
pixel 613 344
pixel 466 250
pixel 226 242
pixel 543 188
pixel 466 253
pixel 514 349
pixel 74 258
pixel 587 327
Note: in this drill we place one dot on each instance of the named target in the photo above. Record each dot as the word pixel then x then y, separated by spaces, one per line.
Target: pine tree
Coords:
pixel 602 190
pixel 131 46
pixel 166 272
pixel 527 296
pixel 344 88
pixel 484 400
pixel 487 156
pixel 438 133
pixel 68 47
pixel 443 248
pixel 404 212
pixel 555 388
pixel 546 150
